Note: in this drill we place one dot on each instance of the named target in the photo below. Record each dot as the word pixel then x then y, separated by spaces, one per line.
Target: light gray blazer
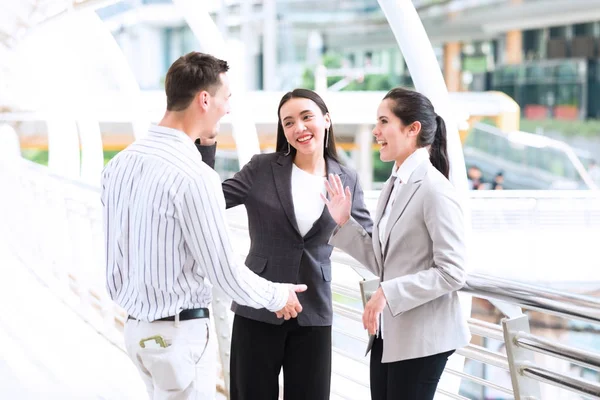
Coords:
pixel 421 265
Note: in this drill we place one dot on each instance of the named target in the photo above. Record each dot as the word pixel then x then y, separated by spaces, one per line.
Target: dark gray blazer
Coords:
pixel 278 252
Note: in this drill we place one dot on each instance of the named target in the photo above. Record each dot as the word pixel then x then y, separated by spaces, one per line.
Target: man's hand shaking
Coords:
pixel 293 306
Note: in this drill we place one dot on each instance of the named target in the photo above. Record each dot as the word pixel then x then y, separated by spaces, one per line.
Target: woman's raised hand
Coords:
pixel 338 200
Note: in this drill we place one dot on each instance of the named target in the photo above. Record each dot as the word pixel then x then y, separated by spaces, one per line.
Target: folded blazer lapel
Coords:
pixel 405 194
pixel 332 168
pixel 282 174
pixel 381 203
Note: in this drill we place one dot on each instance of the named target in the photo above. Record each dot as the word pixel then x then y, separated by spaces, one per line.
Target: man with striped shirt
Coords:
pixel 167 242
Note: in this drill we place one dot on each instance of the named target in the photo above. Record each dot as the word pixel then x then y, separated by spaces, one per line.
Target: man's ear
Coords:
pixel 203 99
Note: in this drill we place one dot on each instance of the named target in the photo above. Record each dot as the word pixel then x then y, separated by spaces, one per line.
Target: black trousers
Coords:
pixel 414 379
pixel 259 350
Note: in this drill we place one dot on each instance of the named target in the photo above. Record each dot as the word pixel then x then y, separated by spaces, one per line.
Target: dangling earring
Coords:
pixel 289 149
pixel 326 137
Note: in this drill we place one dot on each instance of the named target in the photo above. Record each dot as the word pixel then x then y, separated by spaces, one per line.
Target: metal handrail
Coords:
pixel 566 305
pixel 484 355
pixel 350 335
pixel 528 296
pixel 486 325
pixel 451 395
pixel 554 294
pixel 577 385
pixel 348 312
pixel 583 308
pixel 485 331
pixel 533 297
pixel 569 353
pixel 480 381
pixel 350 356
pixel 48 173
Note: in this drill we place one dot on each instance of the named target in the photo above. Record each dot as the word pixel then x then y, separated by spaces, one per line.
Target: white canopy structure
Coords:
pixel 60 61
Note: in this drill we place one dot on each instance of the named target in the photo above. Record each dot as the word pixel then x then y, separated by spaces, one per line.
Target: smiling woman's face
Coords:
pixel 304 125
pixel 397 140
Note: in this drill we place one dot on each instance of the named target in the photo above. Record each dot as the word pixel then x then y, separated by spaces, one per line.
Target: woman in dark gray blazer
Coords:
pixel 289 232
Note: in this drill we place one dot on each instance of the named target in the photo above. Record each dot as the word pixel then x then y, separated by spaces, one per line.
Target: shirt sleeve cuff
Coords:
pixel 280 297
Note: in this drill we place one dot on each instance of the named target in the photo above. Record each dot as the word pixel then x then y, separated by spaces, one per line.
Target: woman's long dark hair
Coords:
pixel 329 149
pixel 411 106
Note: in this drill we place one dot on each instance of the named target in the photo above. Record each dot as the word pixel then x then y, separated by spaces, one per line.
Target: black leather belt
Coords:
pixel 185 315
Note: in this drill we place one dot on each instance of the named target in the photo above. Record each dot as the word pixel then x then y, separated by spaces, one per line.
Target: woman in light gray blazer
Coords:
pixel 417 249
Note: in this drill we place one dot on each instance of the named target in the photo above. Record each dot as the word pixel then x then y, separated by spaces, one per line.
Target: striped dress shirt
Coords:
pixel 165 233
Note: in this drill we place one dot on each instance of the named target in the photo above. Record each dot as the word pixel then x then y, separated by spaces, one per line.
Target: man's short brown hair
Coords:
pixel 190 74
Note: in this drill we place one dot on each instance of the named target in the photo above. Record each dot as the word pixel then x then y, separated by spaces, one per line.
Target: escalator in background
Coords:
pixel 527 161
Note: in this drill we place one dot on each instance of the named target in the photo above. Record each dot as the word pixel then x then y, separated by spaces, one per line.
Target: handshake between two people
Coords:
pixel 293 307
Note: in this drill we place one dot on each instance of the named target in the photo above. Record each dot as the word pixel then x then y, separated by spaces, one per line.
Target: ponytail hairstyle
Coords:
pixel 438 152
pixel 410 106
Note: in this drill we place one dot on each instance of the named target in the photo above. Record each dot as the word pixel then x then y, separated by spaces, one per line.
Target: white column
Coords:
pixel 63 147
pixel 249 38
pixel 428 79
pixel 320 79
pixel 83 79
pixel 364 140
pixel 92 154
pixel 269 45
pixel 10 148
pixel 314 58
pixel 222 14
pixel 8 90
pixel 148 44
pixel 87 27
pixel 244 131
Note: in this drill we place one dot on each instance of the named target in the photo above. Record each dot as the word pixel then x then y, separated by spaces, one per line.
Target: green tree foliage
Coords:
pixel 334 61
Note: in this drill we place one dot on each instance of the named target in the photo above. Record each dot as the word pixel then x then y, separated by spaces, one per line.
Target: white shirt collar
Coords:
pixel 410 164
pixel 171 133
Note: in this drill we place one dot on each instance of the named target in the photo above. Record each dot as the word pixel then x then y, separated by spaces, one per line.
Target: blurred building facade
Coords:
pixel 542 53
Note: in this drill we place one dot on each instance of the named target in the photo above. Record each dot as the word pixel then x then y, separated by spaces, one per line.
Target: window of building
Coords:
pixel 586 29
pixel 533 44
pixel 558 32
